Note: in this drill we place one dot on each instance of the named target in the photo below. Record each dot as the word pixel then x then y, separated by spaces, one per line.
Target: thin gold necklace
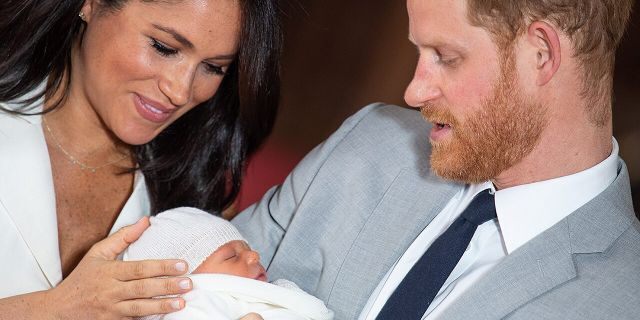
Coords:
pixel 83 166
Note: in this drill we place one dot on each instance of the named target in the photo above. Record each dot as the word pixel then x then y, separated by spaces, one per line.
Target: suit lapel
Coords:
pixel 26 190
pixel 547 261
pixel 410 203
pixel 540 265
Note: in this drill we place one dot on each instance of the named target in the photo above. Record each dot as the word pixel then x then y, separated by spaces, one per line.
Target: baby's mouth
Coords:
pixel 261 277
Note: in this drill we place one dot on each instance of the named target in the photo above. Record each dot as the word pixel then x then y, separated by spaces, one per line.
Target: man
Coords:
pixel 517 98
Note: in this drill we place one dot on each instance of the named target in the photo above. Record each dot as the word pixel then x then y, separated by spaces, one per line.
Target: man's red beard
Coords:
pixel 499 135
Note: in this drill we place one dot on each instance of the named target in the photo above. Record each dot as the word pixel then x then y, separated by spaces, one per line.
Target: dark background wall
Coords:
pixel 342 55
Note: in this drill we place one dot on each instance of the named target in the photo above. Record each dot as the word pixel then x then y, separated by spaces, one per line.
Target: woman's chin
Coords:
pixel 136 137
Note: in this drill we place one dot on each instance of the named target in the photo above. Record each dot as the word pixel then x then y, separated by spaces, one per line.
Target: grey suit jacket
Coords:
pixel 353 206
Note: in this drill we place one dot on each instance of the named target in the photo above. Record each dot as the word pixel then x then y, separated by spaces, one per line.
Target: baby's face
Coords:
pixel 234 258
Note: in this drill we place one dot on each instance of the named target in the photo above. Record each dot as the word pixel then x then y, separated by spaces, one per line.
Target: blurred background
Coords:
pixel 342 55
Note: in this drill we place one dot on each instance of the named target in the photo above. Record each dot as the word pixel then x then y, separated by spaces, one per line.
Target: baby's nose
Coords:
pixel 252 257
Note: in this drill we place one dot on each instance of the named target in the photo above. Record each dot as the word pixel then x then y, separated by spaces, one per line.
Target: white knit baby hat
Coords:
pixel 183 233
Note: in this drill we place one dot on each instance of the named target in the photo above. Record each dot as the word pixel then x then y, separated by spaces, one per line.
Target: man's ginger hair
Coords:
pixel 595 28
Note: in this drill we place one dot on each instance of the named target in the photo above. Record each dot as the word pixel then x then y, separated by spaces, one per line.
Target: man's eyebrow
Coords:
pixel 436 43
pixel 176 35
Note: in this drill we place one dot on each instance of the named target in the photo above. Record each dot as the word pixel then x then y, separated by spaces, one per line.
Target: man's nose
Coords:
pixel 177 84
pixel 423 88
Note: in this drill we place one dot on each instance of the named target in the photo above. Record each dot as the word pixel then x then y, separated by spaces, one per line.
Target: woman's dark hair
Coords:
pixel 198 160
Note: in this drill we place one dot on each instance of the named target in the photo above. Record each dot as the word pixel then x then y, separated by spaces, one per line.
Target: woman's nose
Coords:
pixel 177 84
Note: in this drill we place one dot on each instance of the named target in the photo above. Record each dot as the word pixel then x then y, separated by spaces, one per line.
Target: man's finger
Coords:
pixel 110 247
pixel 134 270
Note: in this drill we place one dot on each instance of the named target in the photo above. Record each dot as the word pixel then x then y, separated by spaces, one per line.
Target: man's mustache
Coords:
pixel 438 115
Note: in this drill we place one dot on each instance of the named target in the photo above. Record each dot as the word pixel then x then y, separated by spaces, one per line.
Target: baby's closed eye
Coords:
pixel 225 253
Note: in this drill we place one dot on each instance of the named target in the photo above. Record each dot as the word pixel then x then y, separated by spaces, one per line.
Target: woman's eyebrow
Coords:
pixel 224 57
pixel 176 35
pixel 185 42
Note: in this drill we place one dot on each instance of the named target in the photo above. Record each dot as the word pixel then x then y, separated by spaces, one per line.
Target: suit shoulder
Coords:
pixel 380 119
pixel 387 135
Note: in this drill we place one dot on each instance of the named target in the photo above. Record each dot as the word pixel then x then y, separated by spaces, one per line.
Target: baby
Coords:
pixel 228 280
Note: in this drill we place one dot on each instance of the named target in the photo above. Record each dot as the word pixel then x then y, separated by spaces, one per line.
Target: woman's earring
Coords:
pixel 81 15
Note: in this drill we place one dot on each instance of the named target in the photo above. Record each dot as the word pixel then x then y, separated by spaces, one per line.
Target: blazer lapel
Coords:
pixel 546 261
pixel 136 207
pixel 26 190
pixel 410 203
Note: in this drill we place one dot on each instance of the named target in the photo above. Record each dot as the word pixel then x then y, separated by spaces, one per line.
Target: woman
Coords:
pixel 116 109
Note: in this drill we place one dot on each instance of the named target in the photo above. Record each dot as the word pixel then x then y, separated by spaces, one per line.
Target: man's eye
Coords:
pixel 446 60
pixel 163 49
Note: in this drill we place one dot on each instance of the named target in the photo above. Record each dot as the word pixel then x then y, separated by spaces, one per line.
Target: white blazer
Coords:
pixel 29 254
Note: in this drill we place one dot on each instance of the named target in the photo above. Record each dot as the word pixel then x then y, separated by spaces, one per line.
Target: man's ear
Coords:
pixel 546 42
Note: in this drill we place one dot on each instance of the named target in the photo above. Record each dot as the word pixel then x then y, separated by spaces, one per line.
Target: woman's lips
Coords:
pixel 150 110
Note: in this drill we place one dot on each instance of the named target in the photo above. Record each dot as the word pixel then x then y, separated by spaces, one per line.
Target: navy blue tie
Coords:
pixel 412 297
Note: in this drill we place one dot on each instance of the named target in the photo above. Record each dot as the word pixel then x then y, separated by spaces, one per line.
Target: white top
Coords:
pixel 28 224
pixel 523 212
pixel 226 297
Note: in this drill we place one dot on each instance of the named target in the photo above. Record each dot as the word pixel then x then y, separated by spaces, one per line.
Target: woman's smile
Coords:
pixel 152 110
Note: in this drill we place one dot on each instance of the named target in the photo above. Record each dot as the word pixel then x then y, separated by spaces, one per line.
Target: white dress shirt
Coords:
pixel 523 213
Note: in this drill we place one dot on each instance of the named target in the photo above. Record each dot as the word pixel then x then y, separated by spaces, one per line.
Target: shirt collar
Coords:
pixel 526 211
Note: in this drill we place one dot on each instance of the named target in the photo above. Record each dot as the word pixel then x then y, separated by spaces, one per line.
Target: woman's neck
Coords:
pixel 75 128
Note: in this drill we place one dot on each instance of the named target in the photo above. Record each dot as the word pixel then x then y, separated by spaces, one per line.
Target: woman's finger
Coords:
pixel 148 288
pixel 110 247
pixel 134 270
pixel 143 307
pixel 252 316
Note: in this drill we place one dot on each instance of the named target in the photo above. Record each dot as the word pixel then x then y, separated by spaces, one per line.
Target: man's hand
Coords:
pixel 252 316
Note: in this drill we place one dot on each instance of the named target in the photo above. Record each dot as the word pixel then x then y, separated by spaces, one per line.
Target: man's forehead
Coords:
pixel 442 23
pixel 434 15
pixel 433 7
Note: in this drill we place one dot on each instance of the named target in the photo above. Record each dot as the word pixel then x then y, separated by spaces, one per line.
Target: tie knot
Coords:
pixel 481 209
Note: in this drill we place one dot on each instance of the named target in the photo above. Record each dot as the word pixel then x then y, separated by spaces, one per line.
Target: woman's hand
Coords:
pixel 102 287
pixel 252 316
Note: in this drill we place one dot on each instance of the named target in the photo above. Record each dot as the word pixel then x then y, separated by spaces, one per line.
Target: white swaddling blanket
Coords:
pixel 222 297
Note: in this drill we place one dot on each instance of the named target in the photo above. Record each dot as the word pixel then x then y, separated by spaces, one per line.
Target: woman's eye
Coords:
pixel 214 69
pixel 162 49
